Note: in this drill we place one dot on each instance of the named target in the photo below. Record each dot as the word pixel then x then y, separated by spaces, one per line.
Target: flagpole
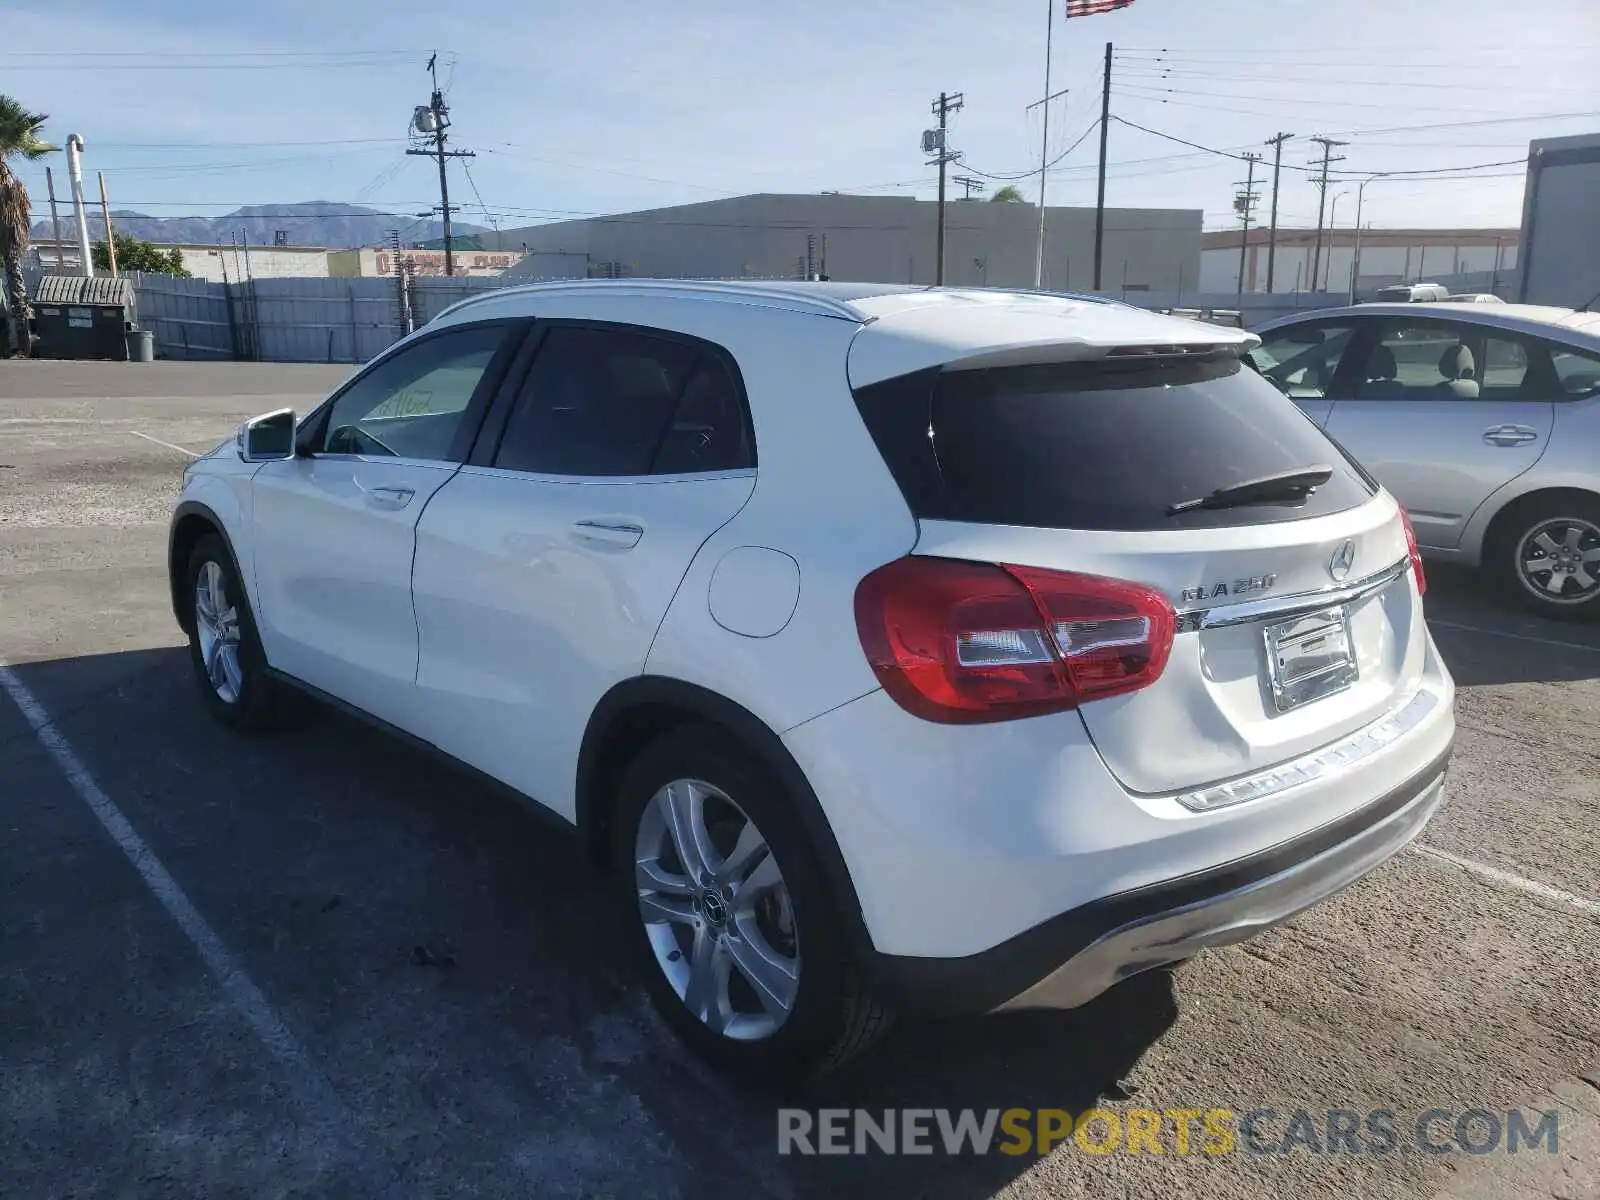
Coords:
pixel 1044 141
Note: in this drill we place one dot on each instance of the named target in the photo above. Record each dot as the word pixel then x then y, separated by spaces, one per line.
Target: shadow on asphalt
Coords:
pixel 452 963
pixel 1487 640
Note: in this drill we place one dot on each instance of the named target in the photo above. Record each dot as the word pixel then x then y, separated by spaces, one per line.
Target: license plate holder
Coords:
pixel 1310 657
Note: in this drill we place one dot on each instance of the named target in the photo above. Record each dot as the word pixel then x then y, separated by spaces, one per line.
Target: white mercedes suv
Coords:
pixel 896 649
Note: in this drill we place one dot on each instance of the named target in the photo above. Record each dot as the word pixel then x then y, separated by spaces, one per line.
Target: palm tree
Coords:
pixel 1010 194
pixel 19 138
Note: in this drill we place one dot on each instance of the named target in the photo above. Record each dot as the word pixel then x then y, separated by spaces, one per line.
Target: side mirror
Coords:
pixel 267 437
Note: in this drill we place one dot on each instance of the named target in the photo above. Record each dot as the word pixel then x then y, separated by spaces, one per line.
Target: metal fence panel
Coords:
pixel 189 317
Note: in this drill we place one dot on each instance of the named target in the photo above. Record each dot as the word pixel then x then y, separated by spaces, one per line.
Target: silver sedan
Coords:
pixel 1483 420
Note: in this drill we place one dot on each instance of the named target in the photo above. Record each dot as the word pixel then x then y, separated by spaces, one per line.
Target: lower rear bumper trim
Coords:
pixel 1070 959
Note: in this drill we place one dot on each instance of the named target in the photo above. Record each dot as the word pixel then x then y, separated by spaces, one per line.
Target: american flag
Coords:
pixel 1089 8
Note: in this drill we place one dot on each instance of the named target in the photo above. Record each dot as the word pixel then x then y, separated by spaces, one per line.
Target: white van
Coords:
pixel 1411 293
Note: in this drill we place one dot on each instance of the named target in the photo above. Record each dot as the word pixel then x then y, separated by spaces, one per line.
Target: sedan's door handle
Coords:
pixel 621 535
pixel 1509 435
pixel 388 497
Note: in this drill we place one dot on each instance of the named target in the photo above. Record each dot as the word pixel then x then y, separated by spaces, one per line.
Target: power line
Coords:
pixel 465 167
pixel 1012 176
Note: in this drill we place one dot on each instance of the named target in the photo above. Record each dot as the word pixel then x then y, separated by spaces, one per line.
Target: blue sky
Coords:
pixel 612 105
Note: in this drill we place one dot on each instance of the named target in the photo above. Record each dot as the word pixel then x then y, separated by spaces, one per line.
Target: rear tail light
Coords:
pixel 965 642
pixel 1416 555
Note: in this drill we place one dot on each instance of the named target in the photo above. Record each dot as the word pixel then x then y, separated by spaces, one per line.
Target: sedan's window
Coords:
pixel 1420 360
pixel 412 405
pixel 1300 360
pixel 610 402
pixel 1578 372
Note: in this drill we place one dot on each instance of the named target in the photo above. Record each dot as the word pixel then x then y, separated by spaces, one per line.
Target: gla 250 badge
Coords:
pixel 1239 587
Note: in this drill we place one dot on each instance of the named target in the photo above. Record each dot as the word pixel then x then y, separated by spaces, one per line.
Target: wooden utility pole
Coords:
pixel 1327 145
pixel 942 108
pixel 1272 234
pixel 440 123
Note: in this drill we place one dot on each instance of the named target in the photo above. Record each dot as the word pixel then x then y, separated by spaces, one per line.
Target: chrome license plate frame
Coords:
pixel 1310 657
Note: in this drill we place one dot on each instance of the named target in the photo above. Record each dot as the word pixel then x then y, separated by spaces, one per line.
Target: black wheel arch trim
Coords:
pixel 175 568
pixel 702 704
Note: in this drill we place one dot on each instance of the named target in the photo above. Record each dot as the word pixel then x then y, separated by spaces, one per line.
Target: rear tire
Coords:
pixel 1545 557
pixel 803 1010
pixel 225 652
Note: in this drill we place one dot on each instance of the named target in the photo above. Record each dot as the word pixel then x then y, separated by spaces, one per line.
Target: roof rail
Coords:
pixel 795 299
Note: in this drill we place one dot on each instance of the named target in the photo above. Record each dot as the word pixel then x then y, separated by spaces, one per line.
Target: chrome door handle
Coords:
pixel 389 497
pixel 1509 435
pixel 623 535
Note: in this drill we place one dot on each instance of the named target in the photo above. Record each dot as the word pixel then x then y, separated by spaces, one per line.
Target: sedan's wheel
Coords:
pixel 737 935
pixel 717 911
pixel 229 666
pixel 1550 558
pixel 1560 560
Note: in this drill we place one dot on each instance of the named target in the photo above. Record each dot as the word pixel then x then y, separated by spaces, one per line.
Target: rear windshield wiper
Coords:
pixel 1285 486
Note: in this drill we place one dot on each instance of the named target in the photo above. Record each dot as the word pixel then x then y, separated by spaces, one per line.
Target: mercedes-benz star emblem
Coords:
pixel 1343 559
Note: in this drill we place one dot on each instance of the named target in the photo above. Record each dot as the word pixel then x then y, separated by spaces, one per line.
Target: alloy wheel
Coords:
pixel 216 624
pixel 716 910
pixel 1558 560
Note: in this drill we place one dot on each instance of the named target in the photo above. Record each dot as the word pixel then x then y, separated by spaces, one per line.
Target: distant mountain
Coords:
pixel 310 223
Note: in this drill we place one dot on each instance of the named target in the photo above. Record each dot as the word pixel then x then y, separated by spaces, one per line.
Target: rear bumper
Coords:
pixel 1074 957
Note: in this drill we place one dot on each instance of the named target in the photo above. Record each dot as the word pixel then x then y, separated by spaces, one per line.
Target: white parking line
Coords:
pixel 1519 637
pixel 239 988
pixel 168 445
pixel 1507 879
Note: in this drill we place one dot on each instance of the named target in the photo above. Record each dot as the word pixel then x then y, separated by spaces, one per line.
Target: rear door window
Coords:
pixel 1099 445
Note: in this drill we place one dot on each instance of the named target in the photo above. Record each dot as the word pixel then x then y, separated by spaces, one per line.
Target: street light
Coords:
pixel 1333 225
pixel 1361 195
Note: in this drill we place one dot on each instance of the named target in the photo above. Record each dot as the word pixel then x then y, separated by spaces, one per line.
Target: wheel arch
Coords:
pixel 191 521
pixel 639 710
pixel 1503 517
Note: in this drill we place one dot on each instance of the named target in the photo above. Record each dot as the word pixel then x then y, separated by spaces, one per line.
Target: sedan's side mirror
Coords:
pixel 267 437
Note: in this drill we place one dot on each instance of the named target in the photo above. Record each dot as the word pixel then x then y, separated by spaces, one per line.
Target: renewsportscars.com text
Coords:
pixel 1181 1131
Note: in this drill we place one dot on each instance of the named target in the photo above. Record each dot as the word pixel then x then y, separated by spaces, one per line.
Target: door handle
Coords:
pixel 621 535
pixel 388 497
pixel 1509 435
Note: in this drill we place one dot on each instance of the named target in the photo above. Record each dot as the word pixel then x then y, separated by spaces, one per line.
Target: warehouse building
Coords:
pixel 878 239
pixel 1386 256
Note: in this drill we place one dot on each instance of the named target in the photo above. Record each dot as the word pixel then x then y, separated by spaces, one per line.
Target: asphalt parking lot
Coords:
pixel 356 973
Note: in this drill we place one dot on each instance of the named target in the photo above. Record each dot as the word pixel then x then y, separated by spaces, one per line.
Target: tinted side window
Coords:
pixel 608 401
pixel 1098 445
pixel 1301 359
pixel 412 404
pixel 709 431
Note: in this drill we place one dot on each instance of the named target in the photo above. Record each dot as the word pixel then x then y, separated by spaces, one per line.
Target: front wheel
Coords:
pixel 1548 558
pixel 224 650
pixel 731 922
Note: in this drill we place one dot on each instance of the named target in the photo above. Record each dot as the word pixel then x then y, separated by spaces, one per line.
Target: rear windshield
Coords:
pixel 1101 445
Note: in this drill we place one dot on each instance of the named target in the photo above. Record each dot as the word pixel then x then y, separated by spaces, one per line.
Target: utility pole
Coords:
pixel 433 118
pixel 1277 168
pixel 935 141
pixel 1244 203
pixel 1100 204
pixel 969 184
pixel 1327 145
